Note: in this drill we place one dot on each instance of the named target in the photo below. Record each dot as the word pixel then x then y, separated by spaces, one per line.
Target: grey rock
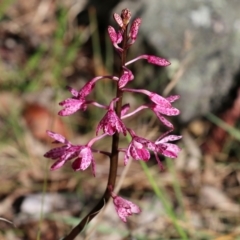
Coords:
pixel 205 32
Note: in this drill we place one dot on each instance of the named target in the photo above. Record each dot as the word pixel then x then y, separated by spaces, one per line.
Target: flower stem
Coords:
pixel 115 139
pixel 113 157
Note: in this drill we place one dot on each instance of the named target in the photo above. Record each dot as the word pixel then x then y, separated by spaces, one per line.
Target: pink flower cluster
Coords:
pixel 139 148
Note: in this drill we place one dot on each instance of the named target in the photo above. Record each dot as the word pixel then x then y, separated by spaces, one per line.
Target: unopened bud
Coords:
pixel 126 16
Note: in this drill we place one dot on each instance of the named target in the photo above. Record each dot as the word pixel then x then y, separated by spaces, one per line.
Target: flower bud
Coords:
pixel 126 16
pixel 134 29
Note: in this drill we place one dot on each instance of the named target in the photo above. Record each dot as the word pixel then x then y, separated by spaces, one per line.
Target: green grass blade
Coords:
pixel 176 185
pixel 229 129
pixel 159 193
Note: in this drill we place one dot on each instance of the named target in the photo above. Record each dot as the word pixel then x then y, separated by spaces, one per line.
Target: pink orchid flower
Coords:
pixel 124 208
pixel 111 123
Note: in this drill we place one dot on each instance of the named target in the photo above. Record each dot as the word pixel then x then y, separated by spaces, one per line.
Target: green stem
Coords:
pixel 113 159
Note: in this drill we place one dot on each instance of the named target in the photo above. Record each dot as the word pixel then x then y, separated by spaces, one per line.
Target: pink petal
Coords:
pixel 125 109
pixel 173 98
pixel 109 129
pixel 169 138
pixel 142 154
pixel 134 207
pixel 158 61
pixel 58 137
pixel 119 37
pixel 87 157
pixel 159 100
pixel 164 120
pixel 112 34
pixel 73 91
pixel 125 208
pixel 57 165
pixel 172 150
pixel 151 146
pixel 166 111
pixel 134 29
pixel 139 141
pixel 70 154
pixel 122 215
pixel 99 126
pixel 111 123
pixel 70 101
pixel 139 154
pixel 121 127
pixel 86 89
pixel 71 106
pixel 125 78
pixel 118 20
pixel 55 153
pixel 84 159
pixel 76 165
pixel 68 111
